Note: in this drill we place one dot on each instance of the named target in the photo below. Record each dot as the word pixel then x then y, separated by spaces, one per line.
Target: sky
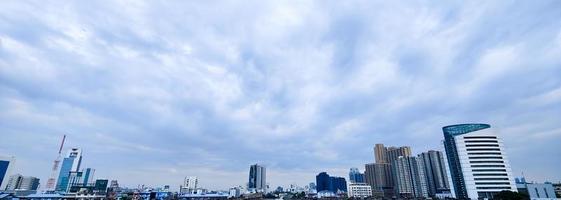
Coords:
pixel 154 91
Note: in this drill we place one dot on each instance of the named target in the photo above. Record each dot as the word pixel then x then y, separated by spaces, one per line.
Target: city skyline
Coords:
pixel 156 92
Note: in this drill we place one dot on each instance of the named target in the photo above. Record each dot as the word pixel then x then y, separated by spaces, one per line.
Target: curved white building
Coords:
pixel 479 166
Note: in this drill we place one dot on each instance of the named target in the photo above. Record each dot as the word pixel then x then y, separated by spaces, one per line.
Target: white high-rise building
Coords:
pixel 257 178
pixel 6 165
pixel 478 163
pixel 190 185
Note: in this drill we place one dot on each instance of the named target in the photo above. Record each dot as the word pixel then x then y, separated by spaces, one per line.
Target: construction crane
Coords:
pixel 52 180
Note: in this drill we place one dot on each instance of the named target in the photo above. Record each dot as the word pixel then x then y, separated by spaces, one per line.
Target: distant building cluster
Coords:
pixel 473 165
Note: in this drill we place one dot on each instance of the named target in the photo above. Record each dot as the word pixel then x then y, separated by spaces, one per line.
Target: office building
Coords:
pixel 71 163
pixel 478 163
pixel 190 185
pixel 338 184
pixel 537 191
pixel 359 190
pixel 6 165
pixel 435 172
pixel 557 187
pixel 410 177
pixel 257 178
pixel 29 183
pixel 19 182
pixel 322 182
pixel 89 178
pixel 326 183
pixel 100 186
pixel 355 176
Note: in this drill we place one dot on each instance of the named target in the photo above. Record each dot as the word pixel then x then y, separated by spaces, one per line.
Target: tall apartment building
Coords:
pixel 410 177
pixel 385 158
pixel 379 177
pixel 435 172
pixel 257 178
pixel 478 163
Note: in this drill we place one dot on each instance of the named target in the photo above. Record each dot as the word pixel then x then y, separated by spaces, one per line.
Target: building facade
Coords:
pixel 6 165
pixel 257 178
pixel 326 183
pixel 410 177
pixel 359 190
pixel 435 172
pixel 355 176
pixel 190 185
pixel 479 167
pixel 19 182
pixel 379 177
pixel 71 163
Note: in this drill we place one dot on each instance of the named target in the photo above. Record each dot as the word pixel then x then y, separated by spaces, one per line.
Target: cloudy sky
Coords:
pixel 156 91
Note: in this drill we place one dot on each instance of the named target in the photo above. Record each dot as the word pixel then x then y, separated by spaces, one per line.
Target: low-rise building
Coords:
pixel 359 190
pixel 537 191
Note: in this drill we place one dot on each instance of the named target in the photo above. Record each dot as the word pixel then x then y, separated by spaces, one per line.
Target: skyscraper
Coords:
pixel 322 182
pixel 380 153
pixel 6 165
pixel 71 163
pixel 479 167
pixel 410 176
pixel 435 171
pixel 379 177
pixel 385 177
pixel 257 178
pixel 355 176
pixel 395 152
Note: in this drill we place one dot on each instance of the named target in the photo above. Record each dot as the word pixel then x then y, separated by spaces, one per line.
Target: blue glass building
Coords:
pixel 355 176
pixel 5 166
pixel 324 182
pixel 70 163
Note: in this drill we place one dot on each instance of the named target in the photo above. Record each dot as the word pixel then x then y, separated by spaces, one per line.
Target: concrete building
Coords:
pixel 359 190
pixel 190 185
pixel 6 166
pixel 19 182
pixel 379 177
pixel 435 172
pixel 478 163
pixel 410 176
pixel 385 157
pixel 257 178
pixel 393 153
